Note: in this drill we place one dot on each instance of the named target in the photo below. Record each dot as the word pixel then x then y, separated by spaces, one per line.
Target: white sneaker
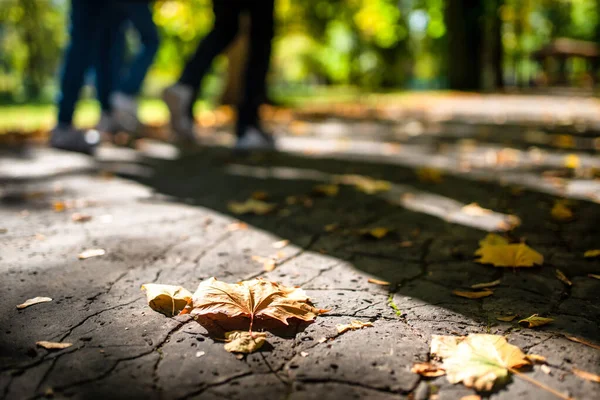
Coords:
pixel 255 139
pixel 125 110
pixel 178 99
pixel 65 137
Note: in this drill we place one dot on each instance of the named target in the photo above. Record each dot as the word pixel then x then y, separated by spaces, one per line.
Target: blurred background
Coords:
pixel 326 51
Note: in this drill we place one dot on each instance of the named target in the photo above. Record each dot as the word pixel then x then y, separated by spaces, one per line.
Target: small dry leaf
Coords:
pixel 475 210
pixel 377 233
pixel 536 359
pixel 588 376
pixel 546 369
pixel 572 161
pixel 471 397
pixel 200 354
pixel 327 190
pixel 560 212
pixel 378 282
pixel 352 326
pixel 507 318
pixel 169 300
pixel 473 295
pixel 304 354
pixel 260 195
pixel 91 253
pixel 405 244
pixel 582 341
pixel 53 345
pixel 479 361
pixel 427 370
pixel 592 253
pixel 268 263
pixel 237 226
pixel 364 183
pixel 59 206
pixel 251 206
pixel 534 321
pixel 595 276
pixel 78 217
pixel 244 342
pixel 430 175
pixel 280 244
pixel 331 227
pixel 486 284
pixel 35 300
pixel 562 277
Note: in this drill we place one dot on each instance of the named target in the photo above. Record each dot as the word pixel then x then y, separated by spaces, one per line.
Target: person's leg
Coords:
pixel 248 129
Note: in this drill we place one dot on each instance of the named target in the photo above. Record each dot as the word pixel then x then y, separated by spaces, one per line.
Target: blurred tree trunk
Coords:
pixel 236 57
pixel 464 22
pixel 493 51
pixel 33 71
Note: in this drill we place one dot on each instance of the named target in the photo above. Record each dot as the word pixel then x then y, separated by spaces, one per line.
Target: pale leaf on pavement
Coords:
pixel 35 300
pixel 352 326
pixel 244 341
pixel 53 345
pixel 534 321
pixel 169 300
pixel 84 255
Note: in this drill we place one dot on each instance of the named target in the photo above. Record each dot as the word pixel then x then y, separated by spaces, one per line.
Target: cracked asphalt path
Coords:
pixel 172 226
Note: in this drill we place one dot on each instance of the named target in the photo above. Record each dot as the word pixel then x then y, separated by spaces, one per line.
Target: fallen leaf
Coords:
pixel 486 284
pixel 59 206
pixel 595 276
pixel 78 217
pixel 331 227
pixel 39 236
pixel 326 190
pixel 91 253
pixel 377 233
pixel 53 345
pixel 509 223
pixel 429 175
pixel 251 206
pixel 479 361
pixel 509 255
pixel 536 359
pixel 169 300
pixel 237 226
pixel 588 376
pixel 444 346
pixel 200 354
pixel 546 369
pixel 475 210
pixel 364 183
pixel 534 321
pixel 427 370
pixel 268 263
pixel 562 277
pixel 560 212
pixel 254 298
pixel 473 295
pixel 572 161
pixel 582 341
pixel 471 397
pixel 378 282
pixel 280 244
pixel 260 195
pixel 35 300
pixel 492 239
pixel 507 318
pixel 592 253
pixel 304 354
pixel 352 326
pixel 405 244
pixel 244 342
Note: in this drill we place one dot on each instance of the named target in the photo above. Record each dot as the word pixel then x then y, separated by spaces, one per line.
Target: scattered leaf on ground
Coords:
pixel 471 397
pixel 53 345
pixel 378 282
pixel 480 361
pixel 59 206
pixel 429 175
pixel 560 212
pixel 260 195
pixel 39 236
pixel 254 298
pixel 326 190
pixel 572 161
pixel 268 263
pixel 444 346
pixel 592 253
pixel 562 277
pixel 492 239
pixel 536 359
pixel 169 300
pixel 475 210
pixel 588 376
pixel 364 183
pixel 534 321
pixel 330 227
pixel 244 342
pixel 507 255
pixel 427 370
pixel 352 326
pixel 237 226
pixel 280 244
pixel 405 244
pixel 78 217
pixel 506 318
pixel 304 354
pixel 485 285
pixel 200 354
pixel 595 276
pixel 91 253
pixel 251 206
pixel 583 341
pixel 473 295
pixel 376 233
pixel 35 300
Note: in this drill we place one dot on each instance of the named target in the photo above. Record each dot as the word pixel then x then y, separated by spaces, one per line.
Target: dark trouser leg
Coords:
pixel 78 55
pixel 140 16
pixel 223 32
pixel 261 35
pixel 111 48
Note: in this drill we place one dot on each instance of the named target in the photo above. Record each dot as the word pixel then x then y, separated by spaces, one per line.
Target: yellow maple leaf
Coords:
pixel 352 326
pixel 509 255
pixel 166 299
pixel 377 233
pixel 480 361
pixel 561 212
pixel 592 253
pixel 251 206
pixel 326 190
pixel 364 183
pixel 492 239
pixel 534 321
pixel 252 299
pixel 430 175
pixel 244 342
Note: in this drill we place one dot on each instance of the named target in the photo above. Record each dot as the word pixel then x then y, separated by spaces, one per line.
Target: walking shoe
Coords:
pixel 65 137
pixel 107 124
pixel 124 113
pixel 178 99
pixel 254 139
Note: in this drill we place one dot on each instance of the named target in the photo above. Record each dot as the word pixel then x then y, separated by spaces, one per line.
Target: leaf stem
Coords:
pixel 539 384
